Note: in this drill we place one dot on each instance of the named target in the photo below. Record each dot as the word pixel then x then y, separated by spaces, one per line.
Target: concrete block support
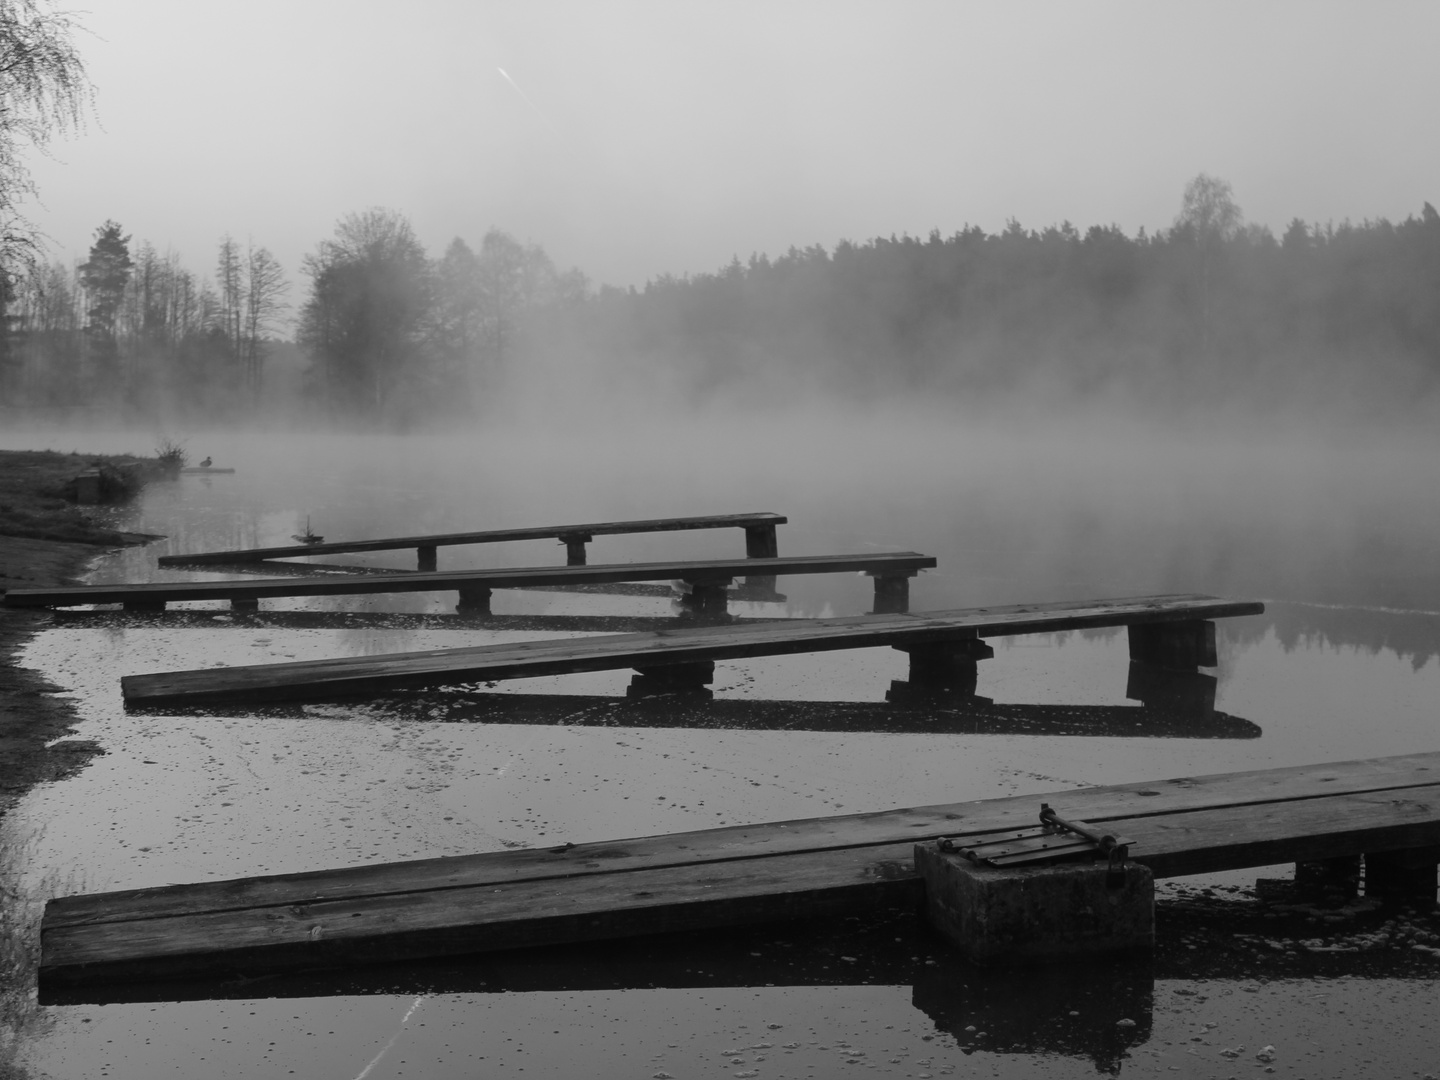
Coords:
pixel 1038 914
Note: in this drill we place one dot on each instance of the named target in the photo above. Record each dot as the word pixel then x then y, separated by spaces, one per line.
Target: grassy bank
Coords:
pixel 46 539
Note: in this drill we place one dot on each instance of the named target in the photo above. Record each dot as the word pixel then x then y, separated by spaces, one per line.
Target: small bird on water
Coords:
pixel 205 464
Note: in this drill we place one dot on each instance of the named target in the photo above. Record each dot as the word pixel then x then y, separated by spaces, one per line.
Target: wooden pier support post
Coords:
pixel 474 600
pixel 575 547
pixel 690 679
pixel 950 664
pixel 245 607
pixel 1406 876
pixel 425 557
pixel 892 593
pixel 760 543
pixel 704 601
pixel 1176 646
pixel 1036 914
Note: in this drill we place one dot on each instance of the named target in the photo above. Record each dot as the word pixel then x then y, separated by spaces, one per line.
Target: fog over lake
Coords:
pixel 1333 529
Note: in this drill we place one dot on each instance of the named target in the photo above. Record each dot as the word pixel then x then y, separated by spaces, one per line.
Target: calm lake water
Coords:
pixel 1335 530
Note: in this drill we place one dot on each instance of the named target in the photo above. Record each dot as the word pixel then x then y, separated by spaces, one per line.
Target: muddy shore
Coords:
pixel 31 714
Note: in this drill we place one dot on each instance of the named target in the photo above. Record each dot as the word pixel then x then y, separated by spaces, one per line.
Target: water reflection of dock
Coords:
pixel 1072 1010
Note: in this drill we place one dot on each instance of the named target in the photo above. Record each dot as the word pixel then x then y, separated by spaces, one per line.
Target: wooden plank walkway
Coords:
pixel 759 540
pixel 719 877
pixel 688 647
pixel 891 571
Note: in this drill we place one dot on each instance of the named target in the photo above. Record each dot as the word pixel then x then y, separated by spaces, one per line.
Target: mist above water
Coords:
pixel 1016 507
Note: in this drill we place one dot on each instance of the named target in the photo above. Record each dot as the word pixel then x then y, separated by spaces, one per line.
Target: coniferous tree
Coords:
pixel 104 276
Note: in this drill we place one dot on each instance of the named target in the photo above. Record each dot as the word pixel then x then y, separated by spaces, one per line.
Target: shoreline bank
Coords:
pixel 31 713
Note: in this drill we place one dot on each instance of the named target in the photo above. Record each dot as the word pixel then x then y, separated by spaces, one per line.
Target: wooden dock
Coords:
pixel 760 541
pixel 720 877
pixel 707 581
pixel 942 645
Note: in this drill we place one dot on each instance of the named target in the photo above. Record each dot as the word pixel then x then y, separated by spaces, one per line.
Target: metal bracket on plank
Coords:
pixel 1054 840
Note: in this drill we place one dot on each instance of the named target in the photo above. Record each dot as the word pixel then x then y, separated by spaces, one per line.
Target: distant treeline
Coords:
pixel 1208 310
pixel 388 333
pixel 134 332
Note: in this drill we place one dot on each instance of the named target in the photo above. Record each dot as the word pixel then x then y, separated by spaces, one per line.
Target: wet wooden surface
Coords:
pixel 712 878
pixel 324 679
pixel 248 589
pixel 489 536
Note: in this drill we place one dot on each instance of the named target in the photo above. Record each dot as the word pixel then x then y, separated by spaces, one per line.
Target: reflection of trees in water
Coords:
pixel 1413 636
pixel 21 1019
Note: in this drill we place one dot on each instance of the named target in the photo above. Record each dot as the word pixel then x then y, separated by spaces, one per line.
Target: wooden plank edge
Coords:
pixel 505 868
pixel 491 536
pixel 650 902
pixel 411 926
pixel 321 680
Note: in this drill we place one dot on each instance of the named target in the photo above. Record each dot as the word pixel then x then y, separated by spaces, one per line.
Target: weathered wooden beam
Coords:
pixel 1298 786
pixel 896 562
pixel 426 557
pixel 729 876
pixel 489 536
pixel 345 676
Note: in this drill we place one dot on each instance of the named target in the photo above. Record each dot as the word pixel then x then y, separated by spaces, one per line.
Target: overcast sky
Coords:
pixel 641 138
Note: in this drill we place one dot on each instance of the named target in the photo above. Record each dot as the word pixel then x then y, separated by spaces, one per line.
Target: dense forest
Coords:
pixel 1209 310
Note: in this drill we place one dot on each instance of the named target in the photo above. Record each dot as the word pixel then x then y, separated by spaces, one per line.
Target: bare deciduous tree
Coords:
pixel 44 91
pixel 265 288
